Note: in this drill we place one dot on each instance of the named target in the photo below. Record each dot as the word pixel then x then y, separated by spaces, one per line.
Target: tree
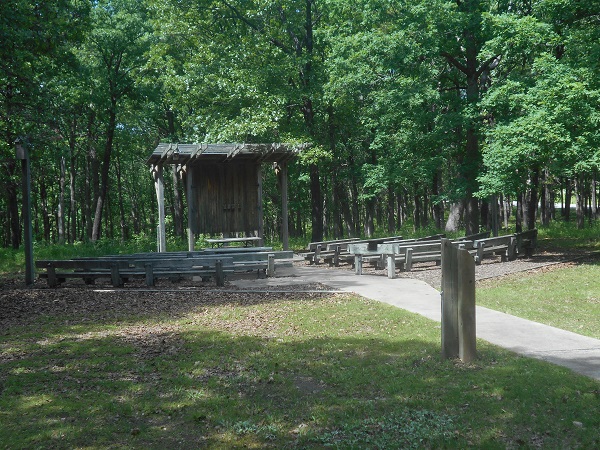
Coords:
pixel 250 72
pixel 35 40
pixel 114 55
pixel 545 115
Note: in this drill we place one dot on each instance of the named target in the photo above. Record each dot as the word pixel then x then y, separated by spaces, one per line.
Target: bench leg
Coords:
pixel 115 276
pixel 479 255
pixel 512 249
pixel 408 260
pixel 52 281
pixel 219 274
pixel 271 265
pixel 391 266
pixel 149 268
pixel 358 264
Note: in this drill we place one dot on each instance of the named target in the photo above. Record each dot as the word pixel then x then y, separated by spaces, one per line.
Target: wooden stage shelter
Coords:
pixel 223 186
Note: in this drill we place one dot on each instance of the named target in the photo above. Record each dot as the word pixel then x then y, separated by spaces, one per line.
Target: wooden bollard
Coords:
pixel 458 303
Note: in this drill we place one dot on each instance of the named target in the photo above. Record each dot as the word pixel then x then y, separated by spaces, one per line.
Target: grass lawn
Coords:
pixel 199 370
pixel 567 298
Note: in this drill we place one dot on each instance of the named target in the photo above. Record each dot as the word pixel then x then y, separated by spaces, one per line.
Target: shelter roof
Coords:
pixel 183 154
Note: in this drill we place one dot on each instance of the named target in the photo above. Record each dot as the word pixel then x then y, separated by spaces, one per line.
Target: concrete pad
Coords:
pixel 579 353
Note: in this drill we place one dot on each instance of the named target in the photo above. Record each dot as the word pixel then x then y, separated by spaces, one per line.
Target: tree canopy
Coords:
pixel 432 113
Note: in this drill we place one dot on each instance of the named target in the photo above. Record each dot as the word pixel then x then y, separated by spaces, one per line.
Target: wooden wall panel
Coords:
pixel 225 196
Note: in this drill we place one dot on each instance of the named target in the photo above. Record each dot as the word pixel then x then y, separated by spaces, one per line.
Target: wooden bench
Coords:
pixel 316 250
pixel 505 246
pixel 263 262
pixel 526 242
pixel 205 267
pixel 120 270
pixel 338 252
pixel 397 250
pixel 408 253
pixel 238 259
pixel 433 237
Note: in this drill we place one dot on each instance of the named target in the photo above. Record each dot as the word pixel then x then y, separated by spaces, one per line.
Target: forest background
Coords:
pixel 437 113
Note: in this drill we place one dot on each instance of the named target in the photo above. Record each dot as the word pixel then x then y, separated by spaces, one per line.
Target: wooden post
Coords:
pixel 159 185
pixel 23 154
pixel 285 232
pixel 458 303
pixel 467 351
pixel 259 184
pixel 495 222
pixel 190 207
pixel 449 304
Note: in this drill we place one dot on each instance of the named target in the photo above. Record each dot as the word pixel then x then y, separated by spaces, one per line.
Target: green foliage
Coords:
pixel 552 123
pixel 399 100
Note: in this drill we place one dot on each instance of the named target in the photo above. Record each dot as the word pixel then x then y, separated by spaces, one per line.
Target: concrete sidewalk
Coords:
pixel 579 353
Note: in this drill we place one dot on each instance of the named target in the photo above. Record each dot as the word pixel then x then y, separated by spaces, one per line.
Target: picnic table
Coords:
pixel 248 241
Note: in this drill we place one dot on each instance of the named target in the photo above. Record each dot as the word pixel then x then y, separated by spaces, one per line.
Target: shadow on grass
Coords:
pixel 340 373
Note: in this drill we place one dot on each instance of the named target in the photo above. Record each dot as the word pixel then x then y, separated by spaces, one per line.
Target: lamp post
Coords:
pixel 22 154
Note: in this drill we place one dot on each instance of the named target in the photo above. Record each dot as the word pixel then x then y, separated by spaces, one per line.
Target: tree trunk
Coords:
pixel 438 207
pixel 519 216
pixel 548 200
pixel 566 211
pixel 370 214
pixel 594 198
pixel 425 209
pixel 44 204
pixel 506 207
pixel 13 212
pixel 355 208
pixel 580 202
pixel 416 210
pixel 92 179
pixel 61 202
pixel 316 204
pixel 391 220
pixel 484 211
pixel 454 217
pixel 533 199
pixel 341 210
pixel 72 198
pixel 110 132
pixel 122 221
